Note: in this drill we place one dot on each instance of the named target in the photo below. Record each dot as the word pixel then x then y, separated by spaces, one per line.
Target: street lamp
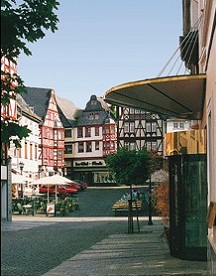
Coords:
pixel 150 202
pixel 21 165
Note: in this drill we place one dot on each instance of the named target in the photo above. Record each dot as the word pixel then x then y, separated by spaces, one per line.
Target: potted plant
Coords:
pixel 161 196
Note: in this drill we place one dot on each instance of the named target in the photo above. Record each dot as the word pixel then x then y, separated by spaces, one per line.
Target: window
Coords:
pixel 112 145
pixel 36 152
pixel 15 152
pixel 97 145
pixel 129 126
pixel 68 133
pixel 148 146
pixel 132 146
pixel 60 135
pixel 126 126
pixel 60 155
pixel 55 135
pixel 126 144
pixel 96 131
pixel 26 150
pixel 80 132
pixel 31 153
pixel 88 146
pixel 20 153
pixel 96 116
pixel 91 116
pixel 175 125
pixel 131 110
pixel 80 147
pixel 148 126
pixel 132 126
pixel 154 145
pixel 87 132
pixel 181 125
pixel 154 127
pixel 68 149
pixel 112 129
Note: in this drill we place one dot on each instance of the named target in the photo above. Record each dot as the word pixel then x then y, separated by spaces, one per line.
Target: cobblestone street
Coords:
pixel 35 250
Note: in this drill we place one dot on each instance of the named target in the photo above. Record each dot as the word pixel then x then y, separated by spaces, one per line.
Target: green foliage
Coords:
pixel 129 167
pixel 25 22
pixel 21 23
pixel 13 132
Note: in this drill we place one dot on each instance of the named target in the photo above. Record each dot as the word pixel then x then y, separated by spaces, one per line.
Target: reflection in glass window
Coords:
pixel 68 149
pixel 68 133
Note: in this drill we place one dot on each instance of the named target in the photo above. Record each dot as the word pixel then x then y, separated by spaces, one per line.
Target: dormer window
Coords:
pixel 96 116
pixel 91 116
pixel 93 102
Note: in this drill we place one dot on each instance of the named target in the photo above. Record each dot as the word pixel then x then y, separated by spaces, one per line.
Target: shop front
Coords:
pixel 94 172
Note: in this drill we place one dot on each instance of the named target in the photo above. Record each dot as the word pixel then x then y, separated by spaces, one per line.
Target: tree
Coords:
pixel 130 168
pixel 20 24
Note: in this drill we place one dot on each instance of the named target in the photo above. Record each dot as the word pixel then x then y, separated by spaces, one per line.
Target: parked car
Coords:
pixel 61 189
pixel 82 185
pixel 74 185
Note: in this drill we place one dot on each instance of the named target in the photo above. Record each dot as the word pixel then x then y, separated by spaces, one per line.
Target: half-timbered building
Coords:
pixel 95 136
pixel 8 113
pixel 138 128
pixel 51 151
pixel 69 114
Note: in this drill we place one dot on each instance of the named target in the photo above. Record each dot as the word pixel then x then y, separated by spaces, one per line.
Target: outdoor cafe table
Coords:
pixel 27 209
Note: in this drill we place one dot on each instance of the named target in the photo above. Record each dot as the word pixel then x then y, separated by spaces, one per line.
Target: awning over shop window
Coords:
pixel 174 96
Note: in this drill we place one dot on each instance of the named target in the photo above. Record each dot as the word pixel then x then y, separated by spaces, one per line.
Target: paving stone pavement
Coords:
pixel 138 254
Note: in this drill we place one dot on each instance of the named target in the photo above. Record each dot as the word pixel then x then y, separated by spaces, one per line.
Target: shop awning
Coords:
pixel 174 96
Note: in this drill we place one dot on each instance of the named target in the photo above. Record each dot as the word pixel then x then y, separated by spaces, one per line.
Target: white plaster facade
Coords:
pixel 173 125
pixel 29 151
pixel 207 64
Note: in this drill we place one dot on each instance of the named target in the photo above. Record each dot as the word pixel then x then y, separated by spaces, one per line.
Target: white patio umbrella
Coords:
pixel 18 178
pixel 159 176
pixel 52 180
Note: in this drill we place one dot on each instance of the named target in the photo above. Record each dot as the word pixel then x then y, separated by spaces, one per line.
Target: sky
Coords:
pixel 103 43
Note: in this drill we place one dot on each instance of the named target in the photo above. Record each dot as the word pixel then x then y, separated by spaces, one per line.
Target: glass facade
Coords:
pixel 188 205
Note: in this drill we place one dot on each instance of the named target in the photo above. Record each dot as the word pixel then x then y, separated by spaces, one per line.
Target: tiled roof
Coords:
pixel 38 98
pixel 68 112
pixel 94 105
pixel 28 110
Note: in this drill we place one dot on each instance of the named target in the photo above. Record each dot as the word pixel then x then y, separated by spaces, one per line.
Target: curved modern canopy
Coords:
pixel 174 96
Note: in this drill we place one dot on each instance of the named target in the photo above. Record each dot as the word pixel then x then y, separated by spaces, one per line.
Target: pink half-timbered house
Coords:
pixel 9 111
pixel 51 153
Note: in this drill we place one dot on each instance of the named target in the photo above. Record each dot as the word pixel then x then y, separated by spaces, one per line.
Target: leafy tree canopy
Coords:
pixel 22 22
pixel 25 22
pixel 130 167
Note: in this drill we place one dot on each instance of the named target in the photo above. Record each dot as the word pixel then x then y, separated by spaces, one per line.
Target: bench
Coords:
pixel 122 206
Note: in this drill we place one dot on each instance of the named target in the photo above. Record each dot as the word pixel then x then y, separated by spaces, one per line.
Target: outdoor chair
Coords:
pixel 20 208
